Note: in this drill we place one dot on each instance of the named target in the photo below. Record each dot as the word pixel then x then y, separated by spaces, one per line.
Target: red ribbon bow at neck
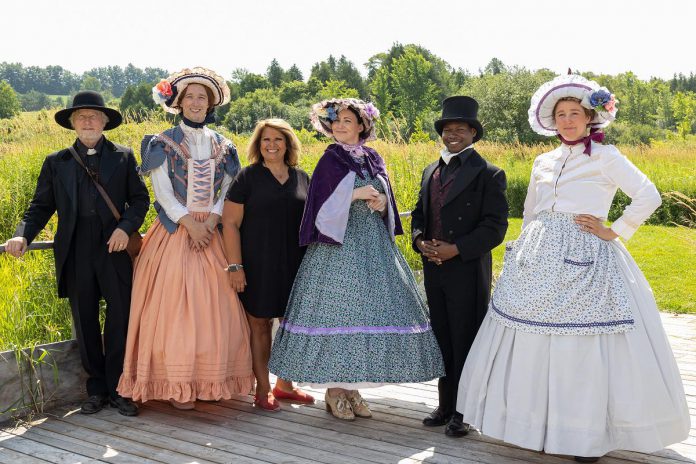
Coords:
pixel 595 136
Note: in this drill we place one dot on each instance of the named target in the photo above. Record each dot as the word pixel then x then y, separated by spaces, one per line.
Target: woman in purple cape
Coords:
pixel 355 317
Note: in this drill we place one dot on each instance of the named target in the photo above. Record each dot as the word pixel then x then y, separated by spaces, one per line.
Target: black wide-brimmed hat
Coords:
pixel 460 109
pixel 89 100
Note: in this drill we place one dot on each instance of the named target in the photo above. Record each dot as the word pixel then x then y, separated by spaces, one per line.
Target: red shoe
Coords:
pixel 295 395
pixel 268 402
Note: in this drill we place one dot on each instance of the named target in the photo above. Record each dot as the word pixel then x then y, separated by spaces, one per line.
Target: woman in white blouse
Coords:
pixel 572 358
pixel 188 337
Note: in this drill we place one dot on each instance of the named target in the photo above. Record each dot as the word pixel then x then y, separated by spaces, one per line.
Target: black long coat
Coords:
pixel 56 192
pixel 474 217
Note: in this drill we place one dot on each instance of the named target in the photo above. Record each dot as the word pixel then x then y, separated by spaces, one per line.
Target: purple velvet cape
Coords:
pixel 332 167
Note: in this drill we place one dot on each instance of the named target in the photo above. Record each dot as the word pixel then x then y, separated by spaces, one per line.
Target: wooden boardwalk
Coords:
pixel 236 432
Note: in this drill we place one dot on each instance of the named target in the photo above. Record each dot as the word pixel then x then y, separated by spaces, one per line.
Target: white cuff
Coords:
pixel 623 228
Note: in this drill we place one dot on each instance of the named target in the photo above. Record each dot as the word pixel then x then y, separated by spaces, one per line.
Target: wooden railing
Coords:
pixel 48 245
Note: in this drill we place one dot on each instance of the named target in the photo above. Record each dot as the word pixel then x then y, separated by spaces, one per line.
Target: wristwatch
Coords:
pixel 234 268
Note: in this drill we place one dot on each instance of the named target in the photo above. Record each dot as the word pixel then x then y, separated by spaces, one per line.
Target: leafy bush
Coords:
pixel 9 103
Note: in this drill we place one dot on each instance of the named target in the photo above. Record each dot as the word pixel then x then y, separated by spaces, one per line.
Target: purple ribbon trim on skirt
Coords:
pixel 292 328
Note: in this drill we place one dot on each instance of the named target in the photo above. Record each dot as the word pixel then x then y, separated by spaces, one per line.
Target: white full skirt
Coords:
pixel 582 395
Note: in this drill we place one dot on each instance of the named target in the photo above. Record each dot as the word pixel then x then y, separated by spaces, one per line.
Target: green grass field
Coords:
pixel 30 311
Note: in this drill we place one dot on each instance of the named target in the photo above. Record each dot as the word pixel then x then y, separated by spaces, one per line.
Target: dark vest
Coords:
pixel 438 193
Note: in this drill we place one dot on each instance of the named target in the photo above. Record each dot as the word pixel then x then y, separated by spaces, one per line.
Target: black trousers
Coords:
pixel 92 273
pixel 451 290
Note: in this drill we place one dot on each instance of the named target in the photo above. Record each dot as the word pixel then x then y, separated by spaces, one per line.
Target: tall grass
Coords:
pixel 30 310
pixel 25 141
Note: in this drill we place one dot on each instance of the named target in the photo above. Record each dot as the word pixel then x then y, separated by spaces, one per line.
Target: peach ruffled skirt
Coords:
pixel 188 337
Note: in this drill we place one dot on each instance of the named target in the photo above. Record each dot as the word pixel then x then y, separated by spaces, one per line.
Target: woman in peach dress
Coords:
pixel 188 338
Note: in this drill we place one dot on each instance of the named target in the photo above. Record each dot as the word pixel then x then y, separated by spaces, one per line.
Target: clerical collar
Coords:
pixel 446 156
pixel 83 150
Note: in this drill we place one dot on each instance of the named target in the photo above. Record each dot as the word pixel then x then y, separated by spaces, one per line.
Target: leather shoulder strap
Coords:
pixel 101 190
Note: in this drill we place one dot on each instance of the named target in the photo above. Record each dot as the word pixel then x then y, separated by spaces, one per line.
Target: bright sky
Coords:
pixel 610 36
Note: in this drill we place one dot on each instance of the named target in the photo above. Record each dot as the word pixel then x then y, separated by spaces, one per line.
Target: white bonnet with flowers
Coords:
pixel 590 94
pixel 166 91
pixel 326 112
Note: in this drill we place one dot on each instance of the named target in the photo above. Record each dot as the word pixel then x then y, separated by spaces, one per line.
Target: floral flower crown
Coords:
pixel 330 112
pixel 326 112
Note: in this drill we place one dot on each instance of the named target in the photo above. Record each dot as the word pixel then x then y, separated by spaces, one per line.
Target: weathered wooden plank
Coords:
pixel 41 451
pixel 196 441
pixel 334 431
pixel 8 456
pixel 95 451
pixel 159 437
pixel 281 439
pixel 388 405
pixel 375 434
pixel 62 426
pixel 290 441
pixel 441 439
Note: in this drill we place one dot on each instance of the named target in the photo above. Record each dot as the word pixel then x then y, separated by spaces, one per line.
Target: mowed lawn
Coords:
pixel 666 255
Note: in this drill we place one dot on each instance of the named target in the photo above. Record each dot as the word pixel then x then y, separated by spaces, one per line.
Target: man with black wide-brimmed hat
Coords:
pixel 90 243
pixel 461 215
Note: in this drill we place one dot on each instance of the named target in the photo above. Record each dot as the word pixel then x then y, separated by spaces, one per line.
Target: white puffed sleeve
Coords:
pixel 528 214
pixel 645 198
pixel 164 193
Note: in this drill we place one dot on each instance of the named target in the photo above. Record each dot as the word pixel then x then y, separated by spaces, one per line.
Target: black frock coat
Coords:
pixel 474 218
pixel 56 192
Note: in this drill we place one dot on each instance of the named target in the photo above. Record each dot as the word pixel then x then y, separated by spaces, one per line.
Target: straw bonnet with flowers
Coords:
pixel 326 112
pixel 166 92
pixel 590 95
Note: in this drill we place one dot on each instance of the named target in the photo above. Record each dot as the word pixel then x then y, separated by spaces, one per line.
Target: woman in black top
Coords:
pixel 261 222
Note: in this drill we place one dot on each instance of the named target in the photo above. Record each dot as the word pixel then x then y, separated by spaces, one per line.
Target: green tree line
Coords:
pixel 407 83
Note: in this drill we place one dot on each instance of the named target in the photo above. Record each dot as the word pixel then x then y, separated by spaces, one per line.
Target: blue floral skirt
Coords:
pixel 355 315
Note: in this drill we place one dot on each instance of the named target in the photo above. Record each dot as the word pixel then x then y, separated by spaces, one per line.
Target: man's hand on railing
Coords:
pixel 16 246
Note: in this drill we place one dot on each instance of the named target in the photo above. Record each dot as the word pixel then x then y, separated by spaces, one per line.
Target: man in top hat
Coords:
pixel 460 216
pixel 90 244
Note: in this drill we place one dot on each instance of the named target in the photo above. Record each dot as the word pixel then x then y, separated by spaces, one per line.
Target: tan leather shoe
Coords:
pixel 358 404
pixel 339 406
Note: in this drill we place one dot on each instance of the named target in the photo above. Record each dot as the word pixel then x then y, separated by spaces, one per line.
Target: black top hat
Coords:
pixel 462 109
pixel 88 100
